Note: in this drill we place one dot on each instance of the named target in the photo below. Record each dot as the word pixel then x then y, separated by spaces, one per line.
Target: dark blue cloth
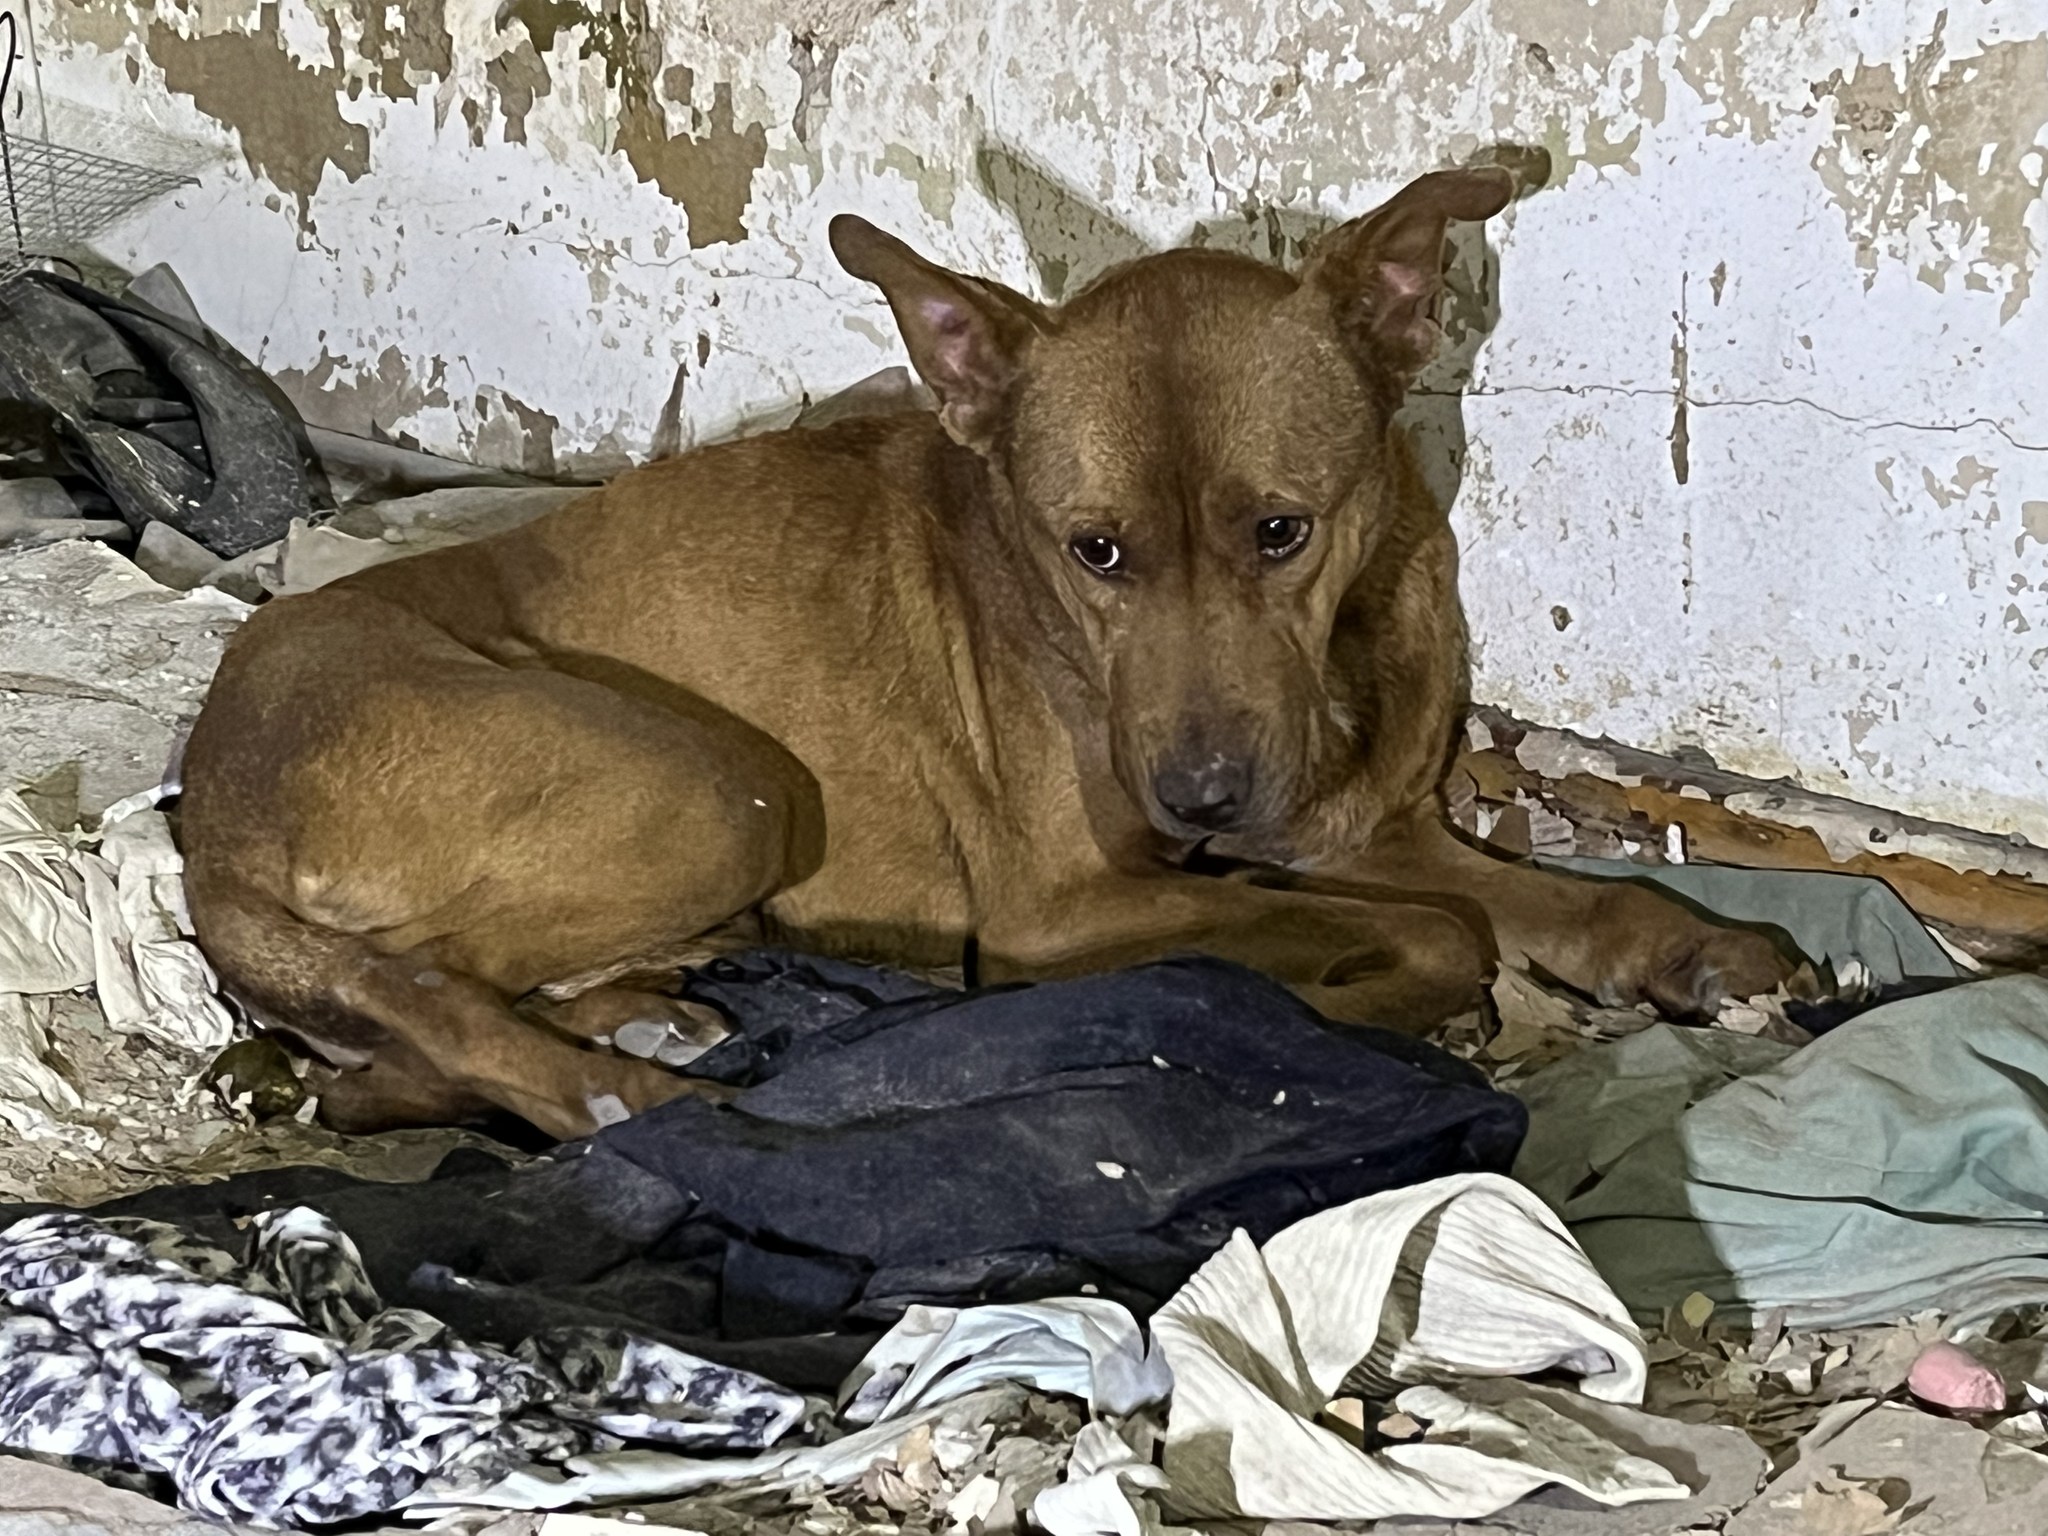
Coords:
pixel 894 1143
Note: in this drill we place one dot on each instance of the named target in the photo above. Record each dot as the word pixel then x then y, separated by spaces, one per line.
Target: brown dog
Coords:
pixel 1160 576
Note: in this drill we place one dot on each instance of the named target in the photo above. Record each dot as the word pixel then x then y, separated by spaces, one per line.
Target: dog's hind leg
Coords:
pixel 390 838
pixel 442 1046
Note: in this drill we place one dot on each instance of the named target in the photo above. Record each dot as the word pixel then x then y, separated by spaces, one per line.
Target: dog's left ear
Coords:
pixel 966 335
pixel 1383 271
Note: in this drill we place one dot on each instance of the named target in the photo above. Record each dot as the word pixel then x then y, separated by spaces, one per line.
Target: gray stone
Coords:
pixel 33 532
pixel 41 1500
pixel 161 289
pixel 1896 1468
pixel 183 563
pixel 170 557
pixel 34 500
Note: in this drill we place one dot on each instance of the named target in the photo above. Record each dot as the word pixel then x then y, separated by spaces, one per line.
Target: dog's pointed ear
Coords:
pixel 966 335
pixel 1383 271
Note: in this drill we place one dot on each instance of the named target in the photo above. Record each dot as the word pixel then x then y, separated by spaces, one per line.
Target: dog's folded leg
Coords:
pixel 1399 964
pixel 648 1025
pixel 1612 940
pixel 481 1047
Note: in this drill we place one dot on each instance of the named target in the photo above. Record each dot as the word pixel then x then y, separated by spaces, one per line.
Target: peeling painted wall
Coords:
pixel 1748 419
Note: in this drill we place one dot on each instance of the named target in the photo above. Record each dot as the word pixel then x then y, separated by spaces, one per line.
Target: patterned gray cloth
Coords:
pixel 282 1392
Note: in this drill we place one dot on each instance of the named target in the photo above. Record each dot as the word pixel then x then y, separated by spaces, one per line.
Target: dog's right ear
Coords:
pixel 967 336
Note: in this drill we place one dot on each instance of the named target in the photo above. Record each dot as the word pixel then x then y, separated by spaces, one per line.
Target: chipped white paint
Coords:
pixel 1809 236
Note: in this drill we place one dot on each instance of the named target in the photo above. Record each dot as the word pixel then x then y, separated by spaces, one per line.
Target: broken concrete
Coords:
pixel 1529 790
pixel 1894 1469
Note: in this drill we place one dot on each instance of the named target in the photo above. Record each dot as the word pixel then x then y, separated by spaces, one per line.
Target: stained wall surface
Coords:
pixel 1747 415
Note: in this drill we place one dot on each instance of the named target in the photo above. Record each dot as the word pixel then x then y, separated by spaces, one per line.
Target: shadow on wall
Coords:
pixel 1072 242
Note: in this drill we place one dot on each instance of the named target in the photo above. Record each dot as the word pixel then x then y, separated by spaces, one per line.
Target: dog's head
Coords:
pixel 1196 447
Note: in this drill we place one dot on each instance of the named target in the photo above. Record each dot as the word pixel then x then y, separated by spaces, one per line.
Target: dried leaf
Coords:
pixel 1839 1506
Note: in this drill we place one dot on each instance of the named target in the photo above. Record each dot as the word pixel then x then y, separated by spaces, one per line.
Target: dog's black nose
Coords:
pixel 1209 796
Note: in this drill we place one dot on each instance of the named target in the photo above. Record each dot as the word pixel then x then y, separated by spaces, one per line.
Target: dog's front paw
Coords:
pixel 1682 965
pixel 1714 967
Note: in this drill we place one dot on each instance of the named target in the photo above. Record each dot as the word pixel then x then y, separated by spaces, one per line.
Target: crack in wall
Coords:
pixel 62 688
pixel 1693 403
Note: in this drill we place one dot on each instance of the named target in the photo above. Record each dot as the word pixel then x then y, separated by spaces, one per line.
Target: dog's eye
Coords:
pixel 1100 554
pixel 1280 537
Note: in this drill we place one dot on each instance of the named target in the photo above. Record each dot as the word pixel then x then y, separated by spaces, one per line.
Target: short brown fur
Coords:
pixel 867 684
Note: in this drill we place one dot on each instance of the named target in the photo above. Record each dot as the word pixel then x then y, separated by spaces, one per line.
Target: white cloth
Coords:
pixel 1096 1495
pixel 114 919
pixel 1442 1294
pixel 1081 1346
pixel 1467 1280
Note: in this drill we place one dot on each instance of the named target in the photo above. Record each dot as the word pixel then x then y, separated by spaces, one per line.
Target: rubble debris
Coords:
pixel 257 1075
pixel 100 667
pixel 360 469
pixel 1989 895
pixel 1893 1469
pixel 138 1115
pixel 1951 1378
pixel 183 564
pixel 161 290
pixel 38 1498
pixel 39 510
pixel 361 537
pixel 311 555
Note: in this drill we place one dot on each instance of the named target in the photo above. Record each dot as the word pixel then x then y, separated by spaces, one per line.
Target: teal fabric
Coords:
pixel 1832 918
pixel 1898 1164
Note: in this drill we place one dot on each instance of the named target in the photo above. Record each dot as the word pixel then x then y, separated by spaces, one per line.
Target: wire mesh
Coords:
pixel 53 199
pixel 58 198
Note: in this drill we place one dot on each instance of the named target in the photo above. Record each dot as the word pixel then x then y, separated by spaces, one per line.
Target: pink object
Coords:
pixel 1947 1377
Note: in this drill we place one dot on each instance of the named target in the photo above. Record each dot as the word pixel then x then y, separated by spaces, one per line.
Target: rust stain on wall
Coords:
pixel 708 172
pixel 400 39
pixel 104 24
pixel 364 400
pixel 710 177
pixel 288 116
pixel 519 77
pixel 1947 139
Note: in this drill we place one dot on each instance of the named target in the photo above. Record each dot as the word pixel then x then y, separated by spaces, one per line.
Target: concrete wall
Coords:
pixel 1755 457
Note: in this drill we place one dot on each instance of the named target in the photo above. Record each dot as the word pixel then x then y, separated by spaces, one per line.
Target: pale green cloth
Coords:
pixel 1832 918
pixel 1898 1164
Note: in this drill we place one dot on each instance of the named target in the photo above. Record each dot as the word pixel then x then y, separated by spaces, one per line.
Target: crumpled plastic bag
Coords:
pixel 151 977
pixel 27 1085
pixel 115 920
pixel 45 934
